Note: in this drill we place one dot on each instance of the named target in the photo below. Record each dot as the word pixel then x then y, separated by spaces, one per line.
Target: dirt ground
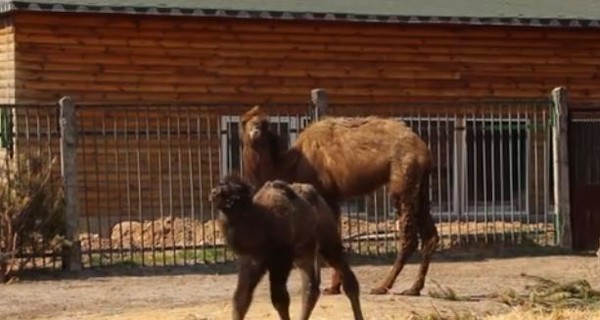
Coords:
pixel 194 294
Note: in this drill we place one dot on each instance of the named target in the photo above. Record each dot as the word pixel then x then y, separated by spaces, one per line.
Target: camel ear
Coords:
pixel 254 112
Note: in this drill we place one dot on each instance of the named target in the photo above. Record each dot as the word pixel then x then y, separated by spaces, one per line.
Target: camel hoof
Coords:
pixel 379 291
pixel 331 291
pixel 411 292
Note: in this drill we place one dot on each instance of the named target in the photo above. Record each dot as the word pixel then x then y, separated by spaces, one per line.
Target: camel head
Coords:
pixel 231 193
pixel 255 125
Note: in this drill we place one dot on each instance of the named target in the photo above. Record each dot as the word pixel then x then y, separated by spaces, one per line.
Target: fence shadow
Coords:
pixel 455 254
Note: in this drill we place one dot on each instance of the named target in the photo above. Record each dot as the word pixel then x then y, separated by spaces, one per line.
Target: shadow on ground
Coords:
pixel 456 254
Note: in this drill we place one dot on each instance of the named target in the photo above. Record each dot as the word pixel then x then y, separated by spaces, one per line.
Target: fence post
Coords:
pixel 68 154
pixel 560 137
pixel 320 102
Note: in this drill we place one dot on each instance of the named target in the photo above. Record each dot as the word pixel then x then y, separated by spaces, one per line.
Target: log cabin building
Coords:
pixel 208 56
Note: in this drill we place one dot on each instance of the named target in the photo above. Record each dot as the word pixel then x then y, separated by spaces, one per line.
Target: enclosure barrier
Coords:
pixel 31 221
pixel 143 173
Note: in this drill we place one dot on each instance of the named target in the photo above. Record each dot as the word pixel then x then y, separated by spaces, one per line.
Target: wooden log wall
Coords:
pixel 140 58
pixel 122 58
pixel 7 61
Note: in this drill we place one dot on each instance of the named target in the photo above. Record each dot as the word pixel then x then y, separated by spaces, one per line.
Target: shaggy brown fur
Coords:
pixel 346 157
pixel 271 229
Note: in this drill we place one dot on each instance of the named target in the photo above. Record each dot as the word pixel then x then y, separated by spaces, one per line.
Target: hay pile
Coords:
pixel 547 295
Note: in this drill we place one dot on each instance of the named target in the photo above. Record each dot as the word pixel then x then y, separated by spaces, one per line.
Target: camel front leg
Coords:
pixel 249 275
pixel 279 271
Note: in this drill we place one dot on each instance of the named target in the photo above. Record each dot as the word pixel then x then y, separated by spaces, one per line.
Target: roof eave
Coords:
pixel 11 6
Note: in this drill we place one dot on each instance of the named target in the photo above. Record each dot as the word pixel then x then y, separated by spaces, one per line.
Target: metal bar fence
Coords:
pixel 491 182
pixel 146 170
pixel 30 229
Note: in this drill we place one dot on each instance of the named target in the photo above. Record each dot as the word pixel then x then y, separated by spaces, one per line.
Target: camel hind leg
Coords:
pixel 336 281
pixel 429 238
pixel 405 189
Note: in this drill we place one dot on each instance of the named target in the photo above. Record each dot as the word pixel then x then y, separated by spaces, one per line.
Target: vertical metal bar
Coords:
pixel 501 154
pixel 493 173
pixel 128 182
pixel 429 145
pixel 212 183
pixel 27 153
pixel 199 142
pixel 485 134
pixel 86 186
pixel 528 171
pixel 139 181
pixel 536 188
pixel 149 184
pixel 520 170
pixel 39 153
pixel 439 174
pixel 230 148
pixel 50 154
pixel 107 188
pixel 118 184
pixel 181 190
pixel 170 170
pixel 476 169
pixel 98 191
pixel 191 163
pixel 450 133
pixel 511 141
pixel 546 174
pixel 161 197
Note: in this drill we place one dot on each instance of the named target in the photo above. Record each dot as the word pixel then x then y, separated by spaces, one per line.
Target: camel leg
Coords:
pixel 279 271
pixel 249 275
pixel 309 271
pixel 408 245
pixel 336 283
pixel 429 240
pixel 405 191
pixel 334 255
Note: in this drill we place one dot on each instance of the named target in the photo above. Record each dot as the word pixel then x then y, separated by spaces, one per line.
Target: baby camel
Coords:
pixel 274 228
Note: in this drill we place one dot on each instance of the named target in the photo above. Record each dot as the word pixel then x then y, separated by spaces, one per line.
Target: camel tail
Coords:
pixel 316 266
pixel 425 201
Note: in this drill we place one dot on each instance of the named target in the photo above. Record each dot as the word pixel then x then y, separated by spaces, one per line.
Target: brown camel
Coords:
pixel 345 157
pixel 273 228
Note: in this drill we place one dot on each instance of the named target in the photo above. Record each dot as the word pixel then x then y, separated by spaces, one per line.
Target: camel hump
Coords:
pixel 307 191
pixel 285 187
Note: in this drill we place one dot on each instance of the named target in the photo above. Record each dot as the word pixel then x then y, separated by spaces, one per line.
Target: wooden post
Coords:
pixel 320 102
pixel 562 201
pixel 68 168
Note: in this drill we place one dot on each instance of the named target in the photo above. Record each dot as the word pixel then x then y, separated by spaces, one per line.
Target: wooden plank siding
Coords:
pixel 138 58
pixel 111 58
pixel 7 61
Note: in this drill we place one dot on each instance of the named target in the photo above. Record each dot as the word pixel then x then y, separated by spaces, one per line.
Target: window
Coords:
pixel 288 128
pixel 496 162
pixel 6 128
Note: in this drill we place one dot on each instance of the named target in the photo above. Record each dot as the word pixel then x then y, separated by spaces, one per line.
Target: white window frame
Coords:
pixel 459 156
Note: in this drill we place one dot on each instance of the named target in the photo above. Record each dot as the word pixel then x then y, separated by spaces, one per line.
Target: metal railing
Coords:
pixel 30 223
pixel 144 174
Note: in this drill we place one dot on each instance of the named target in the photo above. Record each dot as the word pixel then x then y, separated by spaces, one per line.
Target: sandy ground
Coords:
pixel 198 293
